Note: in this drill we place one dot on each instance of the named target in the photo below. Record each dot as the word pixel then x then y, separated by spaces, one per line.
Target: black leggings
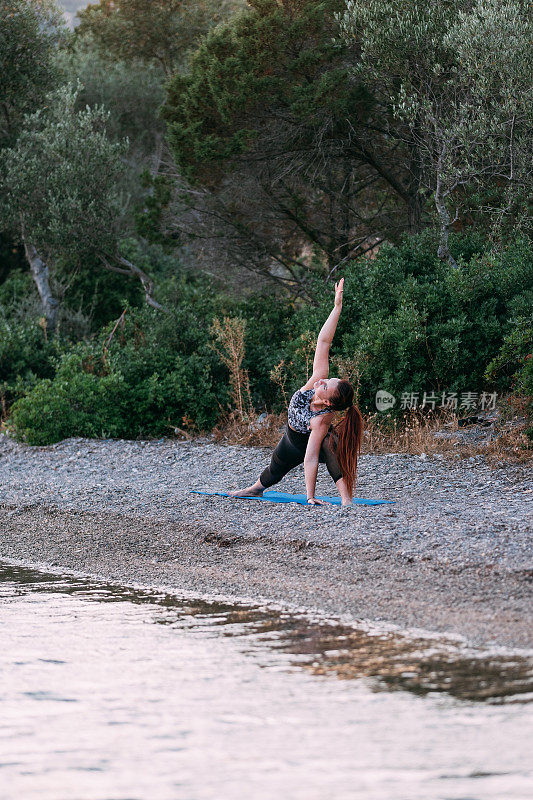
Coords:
pixel 290 452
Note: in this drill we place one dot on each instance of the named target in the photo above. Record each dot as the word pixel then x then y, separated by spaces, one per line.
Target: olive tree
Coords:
pixel 30 33
pixel 491 128
pixel 132 92
pixel 268 127
pixel 60 184
pixel 153 31
pixel 458 74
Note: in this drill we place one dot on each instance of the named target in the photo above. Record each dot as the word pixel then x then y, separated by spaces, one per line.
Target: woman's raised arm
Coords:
pixel 325 338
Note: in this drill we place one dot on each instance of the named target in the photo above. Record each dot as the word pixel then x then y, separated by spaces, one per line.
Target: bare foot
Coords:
pixel 250 491
pixel 346 496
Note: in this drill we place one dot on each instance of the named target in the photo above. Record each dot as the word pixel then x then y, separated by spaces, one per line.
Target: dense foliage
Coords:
pixel 332 123
pixel 270 119
pixel 271 57
pixel 142 377
pixel 459 73
pixel 154 31
pixel 410 323
pixel 415 324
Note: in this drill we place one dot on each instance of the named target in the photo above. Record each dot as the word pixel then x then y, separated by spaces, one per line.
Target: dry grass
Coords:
pixel 267 433
pixel 509 447
pixel 229 346
pixel 414 434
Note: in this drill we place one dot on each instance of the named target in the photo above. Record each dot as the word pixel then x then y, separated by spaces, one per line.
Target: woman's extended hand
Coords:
pixel 338 292
pixel 314 501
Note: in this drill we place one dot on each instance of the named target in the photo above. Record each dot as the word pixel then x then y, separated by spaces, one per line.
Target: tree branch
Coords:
pixel 133 269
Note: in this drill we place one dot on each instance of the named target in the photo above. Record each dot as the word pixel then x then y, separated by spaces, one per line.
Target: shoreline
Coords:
pixel 452 556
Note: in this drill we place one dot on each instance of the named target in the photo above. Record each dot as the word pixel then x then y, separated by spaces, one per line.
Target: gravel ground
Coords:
pixel 452 554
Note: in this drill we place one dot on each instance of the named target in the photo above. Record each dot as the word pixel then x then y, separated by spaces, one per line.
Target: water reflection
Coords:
pixel 114 693
pixel 391 660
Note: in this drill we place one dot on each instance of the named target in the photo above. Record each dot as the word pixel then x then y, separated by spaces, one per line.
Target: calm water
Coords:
pixel 110 693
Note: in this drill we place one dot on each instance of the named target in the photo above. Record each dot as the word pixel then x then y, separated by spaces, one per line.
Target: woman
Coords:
pixel 310 436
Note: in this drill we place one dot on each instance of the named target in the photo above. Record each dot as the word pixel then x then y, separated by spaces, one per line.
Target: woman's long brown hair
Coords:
pixel 348 432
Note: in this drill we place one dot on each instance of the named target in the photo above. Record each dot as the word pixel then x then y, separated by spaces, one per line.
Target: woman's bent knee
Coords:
pixel 284 458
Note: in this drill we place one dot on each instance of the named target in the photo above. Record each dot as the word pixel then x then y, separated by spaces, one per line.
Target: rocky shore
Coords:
pixel 452 555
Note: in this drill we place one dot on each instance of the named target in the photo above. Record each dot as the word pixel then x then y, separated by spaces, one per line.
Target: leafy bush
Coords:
pixel 267 325
pixel 25 358
pixel 414 324
pixel 156 372
pixel 513 365
pixel 99 293
pixel 72 403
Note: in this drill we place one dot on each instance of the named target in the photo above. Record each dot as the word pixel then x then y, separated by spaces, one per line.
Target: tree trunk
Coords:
pixel 414 205
pixel 445 222
pixel 414 214
pixel 332 222
pixel 346 191
pixel 41 276
pixel 443 252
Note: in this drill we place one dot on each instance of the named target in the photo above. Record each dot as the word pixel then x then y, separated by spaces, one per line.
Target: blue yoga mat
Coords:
pixel 283 497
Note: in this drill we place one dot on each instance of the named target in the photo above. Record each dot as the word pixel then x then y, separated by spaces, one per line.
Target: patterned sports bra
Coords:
pixel 299 413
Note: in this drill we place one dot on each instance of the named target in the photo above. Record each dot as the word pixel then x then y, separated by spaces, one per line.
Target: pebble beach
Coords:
pixel 452 554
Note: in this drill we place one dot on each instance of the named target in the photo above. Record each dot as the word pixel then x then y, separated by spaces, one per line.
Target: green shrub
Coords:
pixel 414 324
pixel 156 373
pixel 74 403
pixel 100 294
pixel 512 367
pixel 25 357
pixel 267 325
